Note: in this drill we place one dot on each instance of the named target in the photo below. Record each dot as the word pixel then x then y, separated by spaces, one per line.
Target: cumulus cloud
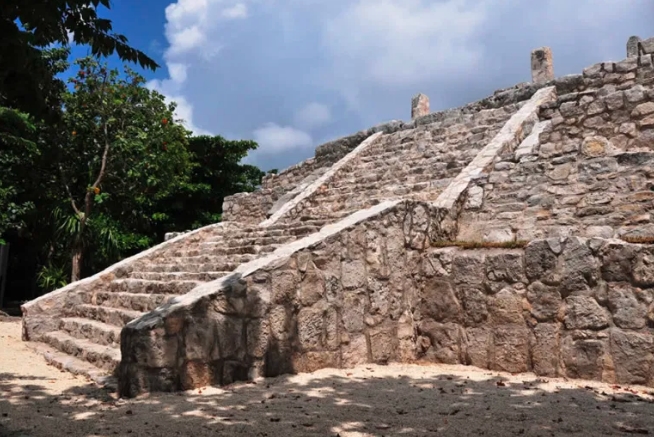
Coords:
pixel 313 115
pixel 288 72
pixel 273 138
pixel 399 42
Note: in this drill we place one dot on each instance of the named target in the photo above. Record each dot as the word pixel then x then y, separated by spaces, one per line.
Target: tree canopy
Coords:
pixel 100 169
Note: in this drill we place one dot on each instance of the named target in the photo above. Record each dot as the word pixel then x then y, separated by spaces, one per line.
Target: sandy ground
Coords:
pixel 395 400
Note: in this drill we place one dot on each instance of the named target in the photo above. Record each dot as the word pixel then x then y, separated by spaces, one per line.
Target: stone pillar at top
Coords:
pixel 542 66
pixel 632 47
pixel 419 106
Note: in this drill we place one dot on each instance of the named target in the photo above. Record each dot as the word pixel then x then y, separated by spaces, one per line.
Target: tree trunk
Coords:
pixel 77 264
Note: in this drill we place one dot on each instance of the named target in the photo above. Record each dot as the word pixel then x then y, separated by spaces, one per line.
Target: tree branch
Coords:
pixel 70 194
pixel 103 166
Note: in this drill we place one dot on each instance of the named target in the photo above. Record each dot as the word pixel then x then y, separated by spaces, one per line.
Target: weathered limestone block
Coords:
pixel 445 339
pixel 383 344
pixel 583 312
pixel 595 146
pixel 541 262
pixel 419 106
pixel 646 46
pixel 355 350
pixel 475 305
pixel 628 311
pixel 545 349
pixel 580 269
pixel 438 302
pixel 469 268
pixel 545 301
pixel 542 66
pixel 617 257
pixel 643 266
pixel 632 46
pixel 584 358
pixel 633 356
pixel 506 308
pixel 510 348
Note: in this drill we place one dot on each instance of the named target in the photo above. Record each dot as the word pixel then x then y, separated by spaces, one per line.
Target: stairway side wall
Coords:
pixel 377 292
pixel 590 175
pixel 44 314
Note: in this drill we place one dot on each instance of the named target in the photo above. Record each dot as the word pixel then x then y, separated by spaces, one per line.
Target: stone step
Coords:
pixel 140 302
pixel 256 241
pixel 226 251
pixel 92 330
pixel 152 286
pixel 189 263
pixel 398 186
pixel 112 316
pixel 178 276
pixel 63 361
pixel 103 357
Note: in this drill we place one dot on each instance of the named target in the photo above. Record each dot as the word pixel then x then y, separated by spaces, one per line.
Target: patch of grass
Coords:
pixel 638 240
pixel 518 244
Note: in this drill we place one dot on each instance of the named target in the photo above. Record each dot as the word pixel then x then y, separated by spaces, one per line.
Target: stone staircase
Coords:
pixel 87 341
pixel 414 164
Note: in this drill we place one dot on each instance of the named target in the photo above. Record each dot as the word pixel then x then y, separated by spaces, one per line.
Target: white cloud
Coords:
pixel 239 10
pixel 402 42
pixel 191 23
pixel 278 69
pixel 273 139
pixel 313 115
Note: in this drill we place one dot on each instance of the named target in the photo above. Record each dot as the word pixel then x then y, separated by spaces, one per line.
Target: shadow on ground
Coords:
pixel 367 401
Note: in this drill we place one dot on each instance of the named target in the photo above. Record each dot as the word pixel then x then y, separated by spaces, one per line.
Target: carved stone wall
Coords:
pixel 376 291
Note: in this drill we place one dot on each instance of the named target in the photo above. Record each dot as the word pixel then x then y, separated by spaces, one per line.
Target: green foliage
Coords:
pixel 17 141
pixel 216 172
pixel 99 172
pixel 119 152
pixel 51 277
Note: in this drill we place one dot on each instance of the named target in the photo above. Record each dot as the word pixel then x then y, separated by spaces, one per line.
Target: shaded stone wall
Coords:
pixel 376 291
pixel 590 174
pixel 574 307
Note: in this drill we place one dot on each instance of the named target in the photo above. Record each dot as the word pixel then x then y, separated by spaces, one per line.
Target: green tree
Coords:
pixel 119 150
pixel 216 172
pixel 27 27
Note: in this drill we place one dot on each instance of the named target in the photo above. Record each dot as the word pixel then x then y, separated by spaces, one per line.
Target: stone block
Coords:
pixel 284 286
pixel 542 65
pixel 646 46
pixel 446 341
pixel 510 349
pixel 355 351
pixel 628 311
pixel 545 301
pixel 643 266
pixel 632 46
pixel 438 302
pixel 545 349
pixel 479 342
pixel 583 312
pixel 505 308
pixel 419 106
pixel 475 305
pixel 383 344
pixel 633 356
pixel 584 358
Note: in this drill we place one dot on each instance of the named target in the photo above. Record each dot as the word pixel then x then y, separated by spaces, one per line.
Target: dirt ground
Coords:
pixel 394 400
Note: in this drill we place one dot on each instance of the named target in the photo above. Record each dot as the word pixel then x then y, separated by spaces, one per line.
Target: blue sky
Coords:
pixel 293 74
